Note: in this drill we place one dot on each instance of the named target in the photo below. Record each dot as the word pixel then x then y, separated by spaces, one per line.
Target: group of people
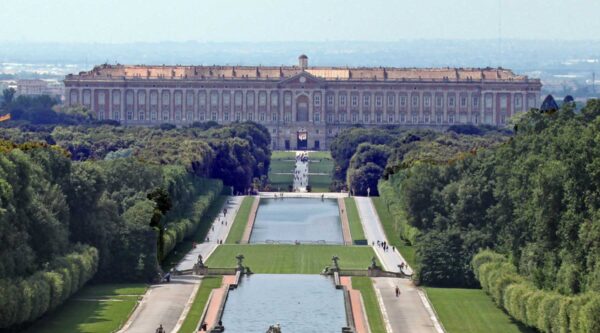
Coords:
pixel 300 174
pixel 223 221
pixel 384 246
pixel 302 157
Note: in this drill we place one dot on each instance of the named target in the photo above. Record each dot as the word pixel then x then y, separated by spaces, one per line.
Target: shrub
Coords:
pixel 546 311
pixel 23 300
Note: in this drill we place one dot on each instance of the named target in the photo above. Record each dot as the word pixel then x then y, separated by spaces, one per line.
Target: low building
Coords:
pixel 38 87
pixel 303 106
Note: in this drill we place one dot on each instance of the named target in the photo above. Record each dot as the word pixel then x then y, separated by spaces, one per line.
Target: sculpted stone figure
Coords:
pixel 335 260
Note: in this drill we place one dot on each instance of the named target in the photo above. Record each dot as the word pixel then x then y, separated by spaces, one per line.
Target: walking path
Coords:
pixel 411 311
pixel 301 172
pixel 164 303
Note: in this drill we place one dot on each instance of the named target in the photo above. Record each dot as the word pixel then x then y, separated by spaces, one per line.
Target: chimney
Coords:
pixel 303 61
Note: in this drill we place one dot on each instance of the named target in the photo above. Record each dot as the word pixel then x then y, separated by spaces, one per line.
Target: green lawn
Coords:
pixel 186 245
pixel 471 311
pixel 320 166
pixel 281 182
pixel 320 162
pixel 193 317
pixel 240 222
pixel 282 162
pixel 278 154
pixel 286 166
pixel 95 309
pixel 407 251
pixel 365 285
pixel 319 183
pixel 291 259
pixel 356 229
pixel 319 155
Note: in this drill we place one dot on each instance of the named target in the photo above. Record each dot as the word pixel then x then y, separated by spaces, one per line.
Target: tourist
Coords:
pixel 397 291
pixel 160 329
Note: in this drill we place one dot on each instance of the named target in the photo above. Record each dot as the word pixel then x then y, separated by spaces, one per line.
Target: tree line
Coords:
pixel 363 155
pixel 531 194
pixel 107 203
pixel 534 199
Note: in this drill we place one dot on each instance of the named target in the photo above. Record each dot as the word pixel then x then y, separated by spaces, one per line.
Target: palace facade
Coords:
pixel 302 106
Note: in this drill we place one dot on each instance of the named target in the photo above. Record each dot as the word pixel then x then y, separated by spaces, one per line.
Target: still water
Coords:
pixel 299 303
pixel 297 219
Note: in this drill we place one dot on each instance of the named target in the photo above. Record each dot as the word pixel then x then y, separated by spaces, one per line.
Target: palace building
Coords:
pixel 303 106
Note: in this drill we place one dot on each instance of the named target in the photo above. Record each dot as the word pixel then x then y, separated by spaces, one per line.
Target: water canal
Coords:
pixel 299 303
pixel 303 220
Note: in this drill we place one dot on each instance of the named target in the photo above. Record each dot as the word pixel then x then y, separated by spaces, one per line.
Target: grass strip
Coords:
pixel 356 228
pixel 407 251
pixel 319 183
pixel 365 285
pixel 320 155
pixel 278 154
pixel 291 259
pixel 95 309
pixel 471 311
pixel 200 301
pixel 239 223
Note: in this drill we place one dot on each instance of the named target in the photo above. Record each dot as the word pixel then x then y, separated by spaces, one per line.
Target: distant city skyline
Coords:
pixel 113 21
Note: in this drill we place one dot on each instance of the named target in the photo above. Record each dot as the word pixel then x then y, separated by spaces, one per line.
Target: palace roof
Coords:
pixel 112 72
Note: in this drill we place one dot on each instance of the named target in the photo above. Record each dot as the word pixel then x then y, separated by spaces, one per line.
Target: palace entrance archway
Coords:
pixel 302 139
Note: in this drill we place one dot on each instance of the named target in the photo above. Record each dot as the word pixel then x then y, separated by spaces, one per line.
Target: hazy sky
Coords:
pixel 118 21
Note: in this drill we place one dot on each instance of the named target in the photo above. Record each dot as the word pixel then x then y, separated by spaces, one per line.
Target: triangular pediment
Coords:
pixel 302 78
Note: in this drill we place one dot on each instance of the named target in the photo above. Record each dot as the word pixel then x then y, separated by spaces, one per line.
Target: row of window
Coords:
pixel 264 117
pixel 427 99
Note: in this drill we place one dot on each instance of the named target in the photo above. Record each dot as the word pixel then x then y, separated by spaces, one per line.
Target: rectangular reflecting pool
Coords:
pixel 301 220
pixel 299 303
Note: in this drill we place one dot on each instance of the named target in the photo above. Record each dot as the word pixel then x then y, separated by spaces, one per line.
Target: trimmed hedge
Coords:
pixel 544 310
pixel 23 300
pixel 390 197
pixel 185 227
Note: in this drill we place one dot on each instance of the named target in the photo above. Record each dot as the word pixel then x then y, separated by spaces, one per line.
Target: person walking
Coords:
pixel 397 291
